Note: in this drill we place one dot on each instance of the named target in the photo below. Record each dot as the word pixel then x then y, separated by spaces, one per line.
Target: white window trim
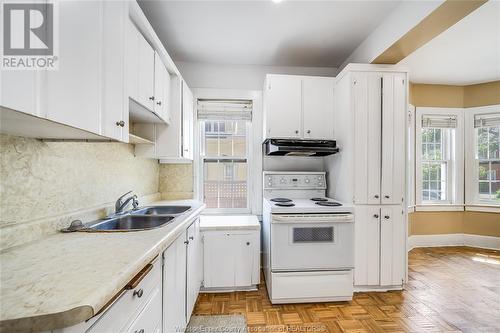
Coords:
pixel 472 201
pixel 455 185
pixel 254 161
pixel 411 158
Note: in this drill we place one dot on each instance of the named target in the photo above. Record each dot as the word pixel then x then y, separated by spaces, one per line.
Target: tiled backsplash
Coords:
pixel 47 182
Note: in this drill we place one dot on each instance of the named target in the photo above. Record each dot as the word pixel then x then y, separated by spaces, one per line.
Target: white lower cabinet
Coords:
pixel 380 248
pixel 231 258
pixel 174 286
pixel 194 272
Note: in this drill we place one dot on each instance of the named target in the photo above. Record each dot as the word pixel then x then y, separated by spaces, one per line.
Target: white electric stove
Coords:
pixel 308 240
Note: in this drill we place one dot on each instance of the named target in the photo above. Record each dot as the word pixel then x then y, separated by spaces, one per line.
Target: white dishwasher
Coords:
pixel 231 252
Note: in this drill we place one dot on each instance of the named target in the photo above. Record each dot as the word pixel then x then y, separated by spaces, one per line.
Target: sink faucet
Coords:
pixel 121 203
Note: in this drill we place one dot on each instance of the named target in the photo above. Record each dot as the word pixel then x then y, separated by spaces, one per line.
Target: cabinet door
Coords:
pixel 394 106
pixel 133 36
pixel 146 73
pixel 283 106
pixel 243 245
pixel 72 93
pixel 367 137
pixel 187 122
pixel 317 95
pixel 367 246
pixel 159 89
pixel 218 261
pixel 392 246
pixel 19 91
pixel 193 268
pixel 114 99
pixel 174 286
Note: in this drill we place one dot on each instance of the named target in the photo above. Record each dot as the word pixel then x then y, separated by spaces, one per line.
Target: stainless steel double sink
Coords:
pixel 141 219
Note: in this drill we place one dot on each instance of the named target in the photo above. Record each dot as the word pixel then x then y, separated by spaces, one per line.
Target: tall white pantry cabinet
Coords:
pixel 370 170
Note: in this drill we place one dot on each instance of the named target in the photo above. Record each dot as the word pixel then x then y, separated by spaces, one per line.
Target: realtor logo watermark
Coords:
pixel 30 39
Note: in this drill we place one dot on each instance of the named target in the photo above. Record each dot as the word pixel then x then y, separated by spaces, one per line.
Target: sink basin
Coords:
pixel 130 223
pixel 161 210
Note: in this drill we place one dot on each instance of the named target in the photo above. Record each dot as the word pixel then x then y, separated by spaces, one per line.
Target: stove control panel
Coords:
pixel 276 180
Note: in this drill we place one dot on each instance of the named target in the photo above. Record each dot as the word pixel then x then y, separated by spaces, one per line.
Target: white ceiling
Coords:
pixel 466 53
pixel 290 33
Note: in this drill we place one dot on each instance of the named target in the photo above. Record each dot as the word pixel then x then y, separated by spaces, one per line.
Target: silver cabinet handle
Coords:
pixel 139 331
pixel 376 196
pixel 296 132
pixel 158 103
pixel 386 196
pixel 386 217
pixel 191 237
pixel 152 98
pixel 120 123
pixel 138 293
pixel 375 216
pixel 186 242
pixel 248 243
pixel 308 131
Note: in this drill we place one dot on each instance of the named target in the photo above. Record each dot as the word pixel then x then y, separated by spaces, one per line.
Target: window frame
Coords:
pixel 473 201
pixel 254 161
pixel 202 157
pixel 453 151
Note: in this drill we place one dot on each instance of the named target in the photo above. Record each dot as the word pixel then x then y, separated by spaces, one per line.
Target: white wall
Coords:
pixel 248 77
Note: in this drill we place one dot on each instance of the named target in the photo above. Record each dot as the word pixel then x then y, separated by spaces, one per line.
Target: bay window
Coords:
pixel 224 154
pixel 484 157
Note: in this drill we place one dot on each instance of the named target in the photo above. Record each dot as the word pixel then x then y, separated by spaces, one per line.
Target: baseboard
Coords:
pixel 485 242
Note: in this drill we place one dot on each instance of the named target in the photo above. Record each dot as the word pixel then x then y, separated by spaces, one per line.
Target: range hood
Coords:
pixel 297 147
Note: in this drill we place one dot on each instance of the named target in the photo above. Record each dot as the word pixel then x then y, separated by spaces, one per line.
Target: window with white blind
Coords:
pixel 487 156
pixel 438 157
pixel 224 149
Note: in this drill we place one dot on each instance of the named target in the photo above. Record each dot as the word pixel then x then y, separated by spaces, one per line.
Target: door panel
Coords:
pixel 174 286
pixel 392 246
pixel 317 95
pixel 367 137
pixel 187 122
pixel 71 94
pixel 367 246
pixel 393 137
pixel 218 260
pixel 243 264
pixel 193 263
pixel 158 86
pixel 146 73
pixel 283 107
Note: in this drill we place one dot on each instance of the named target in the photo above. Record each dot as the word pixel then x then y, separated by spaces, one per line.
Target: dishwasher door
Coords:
pixel 312 242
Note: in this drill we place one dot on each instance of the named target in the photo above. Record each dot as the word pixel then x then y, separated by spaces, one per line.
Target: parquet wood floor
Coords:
pixel 452 289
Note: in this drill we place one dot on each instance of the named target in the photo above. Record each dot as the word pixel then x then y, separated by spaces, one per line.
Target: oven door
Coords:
pixel 302 242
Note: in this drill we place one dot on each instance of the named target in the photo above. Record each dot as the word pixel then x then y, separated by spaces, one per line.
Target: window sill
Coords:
pixel 439 208
pixel 483 208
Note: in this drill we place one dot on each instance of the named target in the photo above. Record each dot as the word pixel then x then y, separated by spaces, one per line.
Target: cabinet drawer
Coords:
pixel 149 319
pixel 122 312
pixel 312 285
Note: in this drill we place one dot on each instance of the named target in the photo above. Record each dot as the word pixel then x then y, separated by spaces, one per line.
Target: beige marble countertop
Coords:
pixel 65 279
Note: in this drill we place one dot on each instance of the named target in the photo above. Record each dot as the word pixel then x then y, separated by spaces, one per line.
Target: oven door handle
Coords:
pixel 297 219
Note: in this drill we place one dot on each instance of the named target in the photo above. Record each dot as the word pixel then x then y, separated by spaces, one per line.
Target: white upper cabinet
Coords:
pixel 146 66
pixel 161 89
pixel 187 122
pixel 71 95
pixel 84 97
pixel 317 101
pixel 283 106
pixel 19 91
pixel 379 102
pixel 298 107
